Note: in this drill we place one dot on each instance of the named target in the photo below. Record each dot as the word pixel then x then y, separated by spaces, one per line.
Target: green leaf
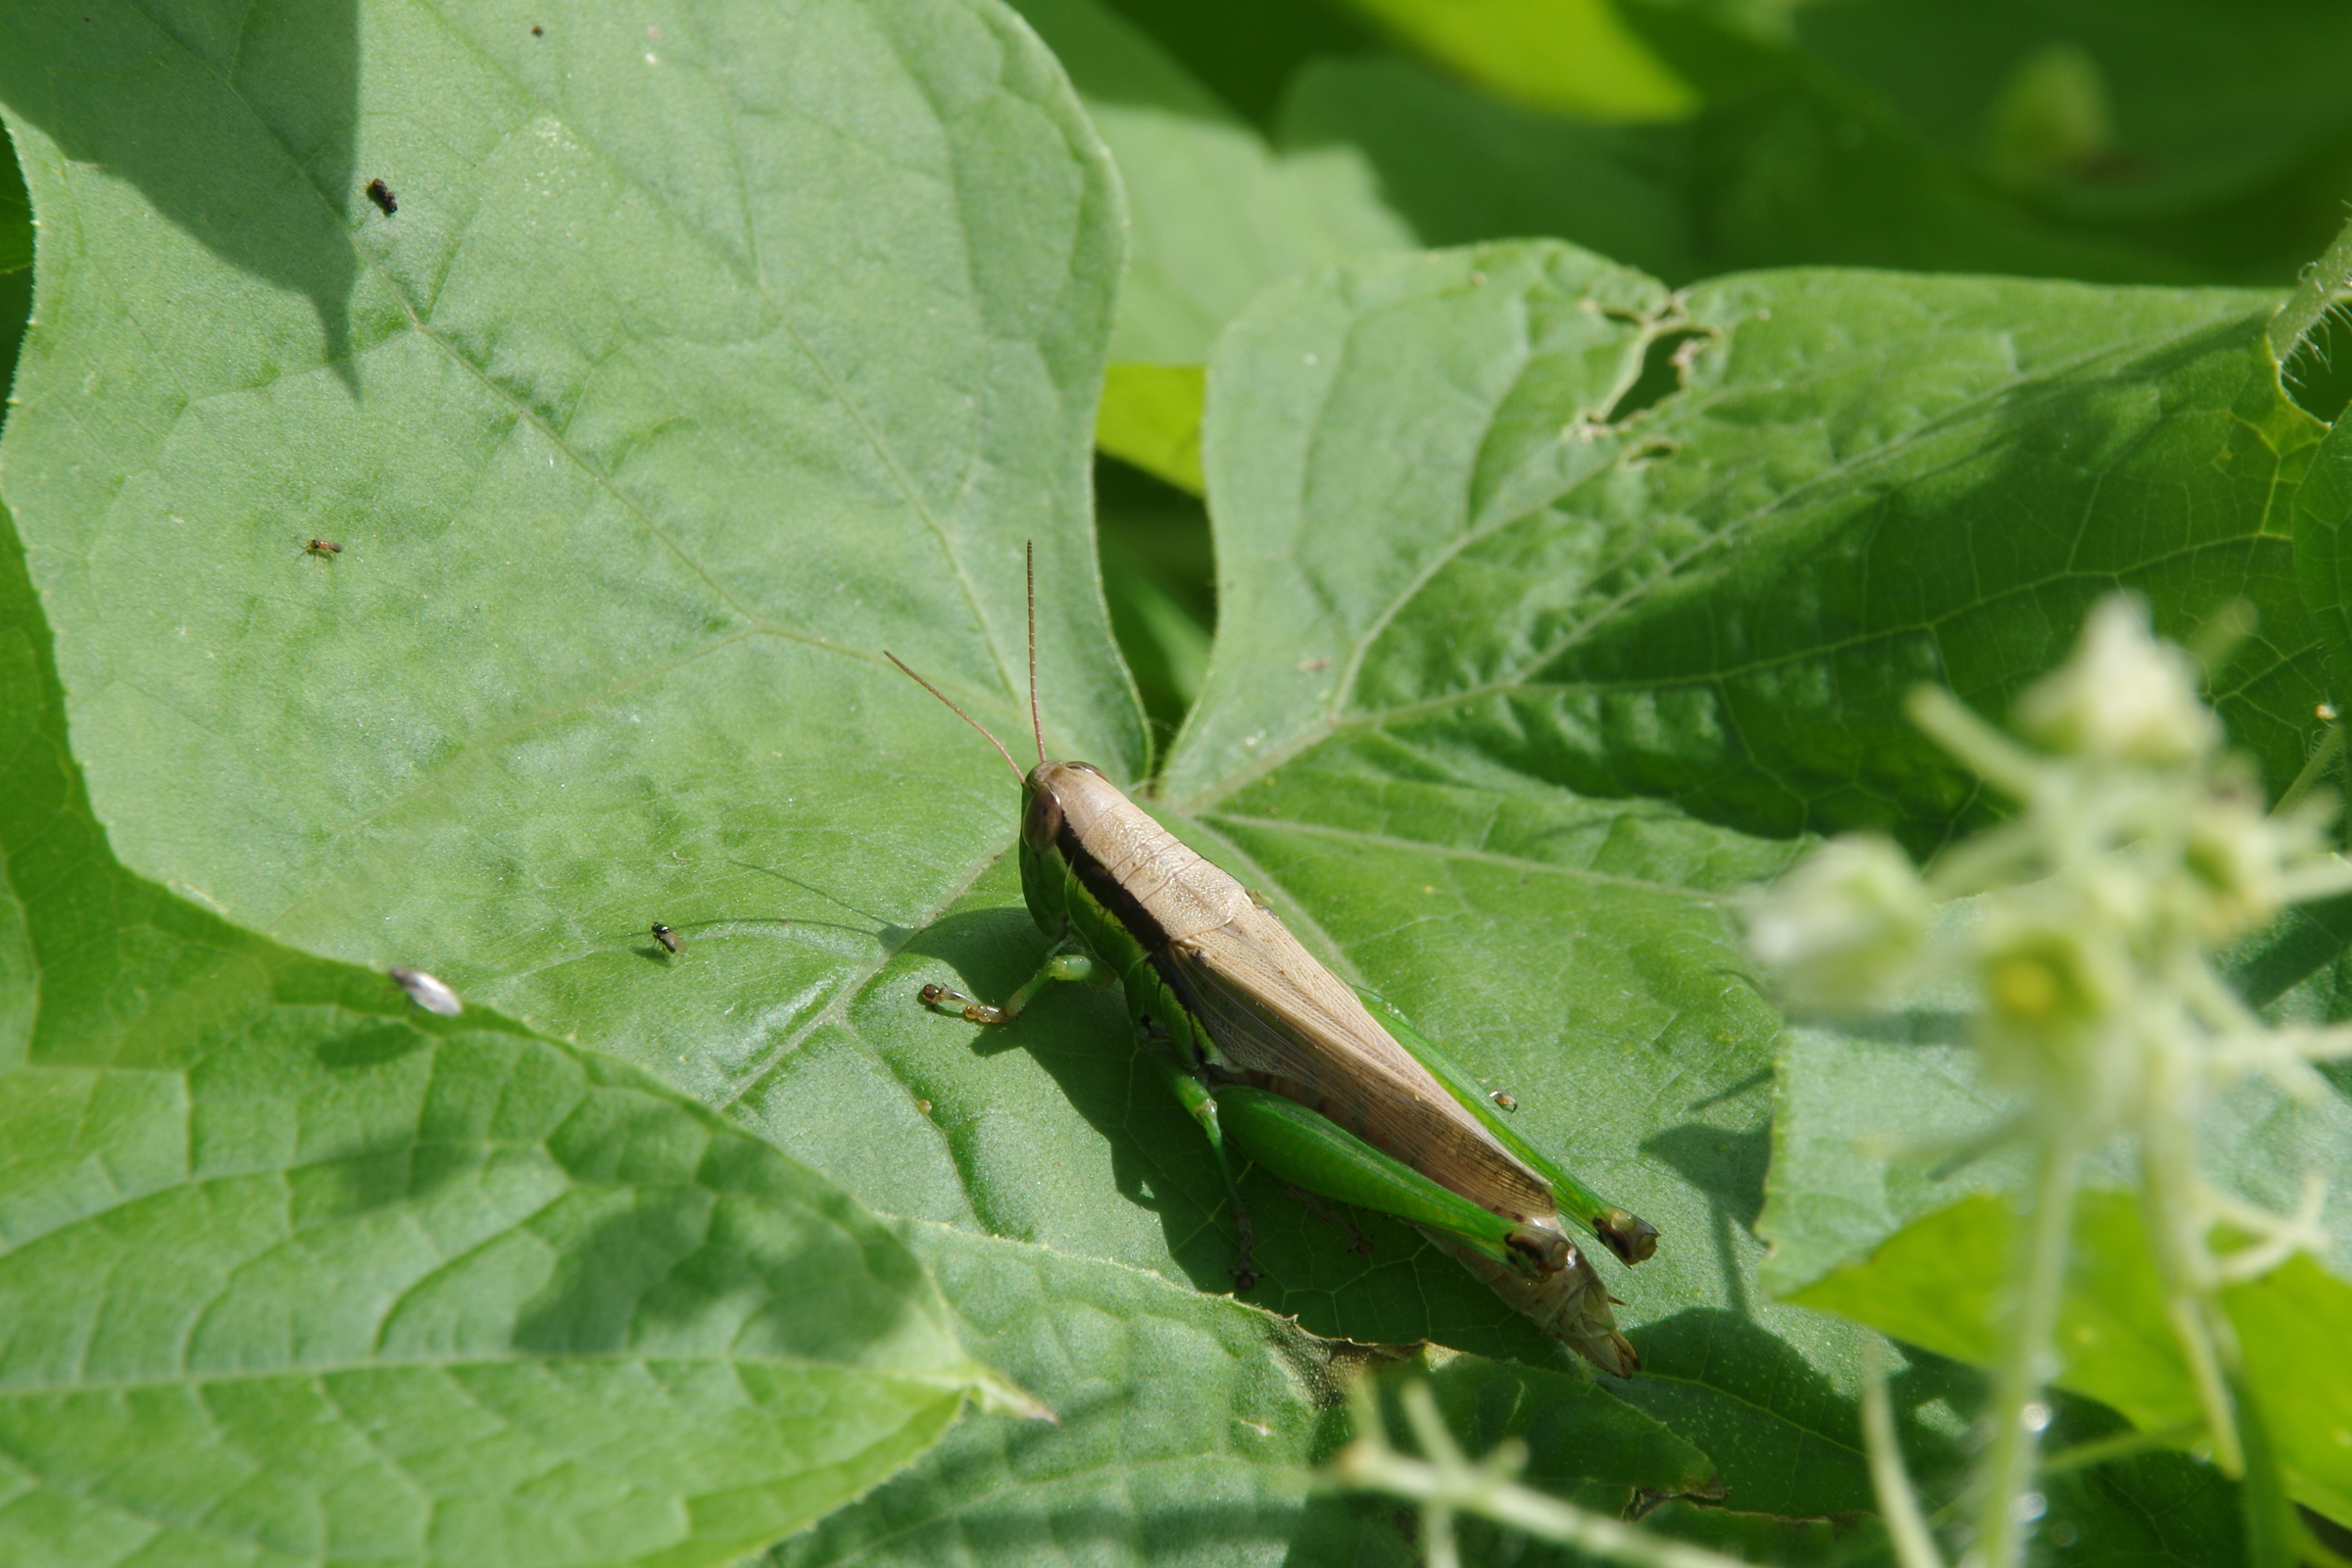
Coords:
pixel 295 1273
pixel 691 373
pixel 1217 214
pixel 2221 129
pixel 1459 166
pixel 1890 1194
pixel 1715 580
pixel 1187 1427
pixel 1151 418
pixel 1936 1282
pixel 1573 56
pixel 1529 637
pixel 1160 577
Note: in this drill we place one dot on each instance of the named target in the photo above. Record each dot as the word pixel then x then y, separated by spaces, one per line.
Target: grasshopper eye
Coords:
pixel 1041 823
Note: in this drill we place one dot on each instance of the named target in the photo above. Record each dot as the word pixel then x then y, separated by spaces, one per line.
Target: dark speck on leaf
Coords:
pixel 537 31
pixel 381 194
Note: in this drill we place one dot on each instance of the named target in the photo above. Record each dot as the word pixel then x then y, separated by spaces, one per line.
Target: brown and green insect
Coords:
pixel 1328 1088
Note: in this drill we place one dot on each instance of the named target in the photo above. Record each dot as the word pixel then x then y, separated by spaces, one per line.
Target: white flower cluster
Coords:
pixel 2139 846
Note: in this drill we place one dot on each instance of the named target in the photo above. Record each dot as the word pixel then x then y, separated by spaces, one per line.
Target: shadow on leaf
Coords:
pixel 256 165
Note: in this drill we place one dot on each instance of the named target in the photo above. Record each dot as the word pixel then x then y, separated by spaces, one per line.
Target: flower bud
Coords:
pixel 2057 990
pixel 1845 924
pixel 2124 697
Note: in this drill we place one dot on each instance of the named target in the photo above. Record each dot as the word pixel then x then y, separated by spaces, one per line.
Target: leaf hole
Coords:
pixel 2318 373
pixel 1650 452
pixel 1665 366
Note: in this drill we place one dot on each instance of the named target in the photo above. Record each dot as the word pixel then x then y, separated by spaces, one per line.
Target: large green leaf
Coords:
pixel 1534 646
pixel 2218 132
pixel 692 372
pixel 1699 547
pixel 1217 214
pixel 295 1273
pixel 1186 1424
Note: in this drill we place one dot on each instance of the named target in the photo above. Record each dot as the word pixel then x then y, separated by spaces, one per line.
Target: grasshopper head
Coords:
pixel 1056 798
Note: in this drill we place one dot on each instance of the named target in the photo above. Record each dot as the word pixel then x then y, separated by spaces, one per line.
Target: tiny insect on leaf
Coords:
pixel 381 194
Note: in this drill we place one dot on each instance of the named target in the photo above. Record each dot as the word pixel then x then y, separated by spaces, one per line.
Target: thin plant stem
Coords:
pixel 2176 1229
pixel 2123 1445
pixel 1898 1504
pixel 2008 1465
pixel 2323 282
pixel 1446 1484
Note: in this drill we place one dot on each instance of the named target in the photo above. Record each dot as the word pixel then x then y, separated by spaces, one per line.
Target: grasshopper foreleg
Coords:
pixel 1061 967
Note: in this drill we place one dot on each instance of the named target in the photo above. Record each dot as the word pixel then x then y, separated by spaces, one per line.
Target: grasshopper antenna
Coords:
pixel 1037 725
pixel 959 714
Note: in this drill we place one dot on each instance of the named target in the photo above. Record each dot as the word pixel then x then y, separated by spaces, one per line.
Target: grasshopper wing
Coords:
pixel 1286 1022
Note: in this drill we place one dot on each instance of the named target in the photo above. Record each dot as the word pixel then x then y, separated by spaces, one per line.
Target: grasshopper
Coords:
pixel 1327 1087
